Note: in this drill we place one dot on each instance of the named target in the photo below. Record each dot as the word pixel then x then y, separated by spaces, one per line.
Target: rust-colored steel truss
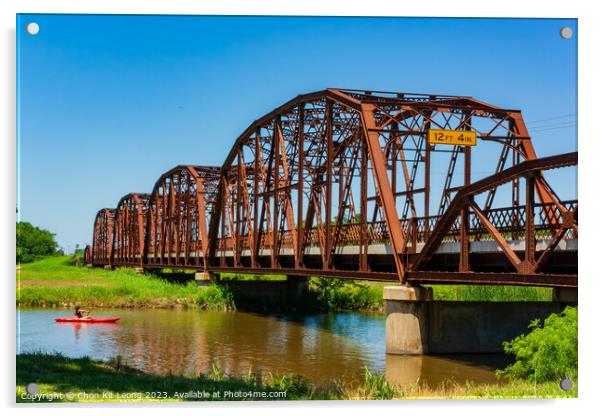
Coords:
pixel 179 211
pixel 130 230
pixel 339 183
pixel 88 255
pixel 102 242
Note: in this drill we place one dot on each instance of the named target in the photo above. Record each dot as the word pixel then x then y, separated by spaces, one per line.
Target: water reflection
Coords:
pixel 407 370
pixel 323 348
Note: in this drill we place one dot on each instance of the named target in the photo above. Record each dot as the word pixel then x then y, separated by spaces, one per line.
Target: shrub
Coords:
pixel 336 294
pixel 548 352
pixel 216 297
pixel 76 259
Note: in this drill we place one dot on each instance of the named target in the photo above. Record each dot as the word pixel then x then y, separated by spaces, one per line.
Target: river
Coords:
pixel 322 347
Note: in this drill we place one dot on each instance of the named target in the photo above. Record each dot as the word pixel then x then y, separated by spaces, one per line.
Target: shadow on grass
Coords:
pixel 58 374
pixel 316 296
pixel 179 277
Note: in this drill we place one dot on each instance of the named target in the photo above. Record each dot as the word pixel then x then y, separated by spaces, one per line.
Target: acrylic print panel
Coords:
pixel 276 208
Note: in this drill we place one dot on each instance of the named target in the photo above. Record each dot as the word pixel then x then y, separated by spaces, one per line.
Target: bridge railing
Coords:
pixel 510 221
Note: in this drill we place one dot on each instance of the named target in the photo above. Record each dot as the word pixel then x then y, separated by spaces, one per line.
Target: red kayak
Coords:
pixel 88 320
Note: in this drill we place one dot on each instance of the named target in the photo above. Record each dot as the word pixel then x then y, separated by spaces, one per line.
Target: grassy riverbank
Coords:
pixel 339 294
pixel 65 379
pixel 55 282
pixel 83 379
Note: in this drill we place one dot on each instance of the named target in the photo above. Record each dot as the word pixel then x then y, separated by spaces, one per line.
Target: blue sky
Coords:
pixel 108 103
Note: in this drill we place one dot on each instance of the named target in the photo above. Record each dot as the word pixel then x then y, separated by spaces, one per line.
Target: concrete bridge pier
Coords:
pixel 406 312
pixel 204 278
pixel 416 324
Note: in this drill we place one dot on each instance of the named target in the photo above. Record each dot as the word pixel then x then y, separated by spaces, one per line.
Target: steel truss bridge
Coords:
pixel 345 184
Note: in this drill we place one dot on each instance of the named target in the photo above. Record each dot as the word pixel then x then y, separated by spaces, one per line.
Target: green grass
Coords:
pixel 517 389
pixel 246 276
pixel 90 380
pixel 491 293
pixel 53 282
pixel 115 381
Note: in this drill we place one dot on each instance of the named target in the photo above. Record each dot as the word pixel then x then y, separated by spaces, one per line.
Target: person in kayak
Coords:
pixel 81 313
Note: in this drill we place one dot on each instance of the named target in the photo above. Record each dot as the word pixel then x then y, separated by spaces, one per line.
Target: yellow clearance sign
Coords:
pixel 453 137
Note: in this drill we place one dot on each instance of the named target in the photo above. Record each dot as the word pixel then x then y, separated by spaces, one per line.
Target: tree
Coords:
pixel 34 243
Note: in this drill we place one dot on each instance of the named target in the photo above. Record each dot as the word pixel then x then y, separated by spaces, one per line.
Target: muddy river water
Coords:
pixel 322 347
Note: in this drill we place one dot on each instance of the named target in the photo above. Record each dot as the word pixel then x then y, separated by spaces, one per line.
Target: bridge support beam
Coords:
pixel 204 278
pixel 415 324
